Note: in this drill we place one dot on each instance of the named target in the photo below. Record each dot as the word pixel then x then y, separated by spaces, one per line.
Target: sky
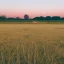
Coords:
pixel 18 8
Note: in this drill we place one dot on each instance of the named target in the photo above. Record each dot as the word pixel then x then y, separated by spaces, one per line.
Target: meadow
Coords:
pixel 31 43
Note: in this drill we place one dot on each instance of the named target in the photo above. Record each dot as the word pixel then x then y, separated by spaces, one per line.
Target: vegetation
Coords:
pixel 27 19
pixel 31 43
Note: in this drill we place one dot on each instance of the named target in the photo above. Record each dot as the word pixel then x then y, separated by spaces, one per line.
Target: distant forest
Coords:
pixel 26 17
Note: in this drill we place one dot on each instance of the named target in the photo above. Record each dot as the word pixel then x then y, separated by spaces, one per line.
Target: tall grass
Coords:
pixel 31 44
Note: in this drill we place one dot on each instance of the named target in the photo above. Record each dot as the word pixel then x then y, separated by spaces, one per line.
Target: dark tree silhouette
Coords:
pixel 48 18
pixel 56 18
pixel 39 18
pixel 2 17
pixel 11 18
pixel 26 16
pixel 17 18
pixel 36 18
pixel 42 18
pixel 62 18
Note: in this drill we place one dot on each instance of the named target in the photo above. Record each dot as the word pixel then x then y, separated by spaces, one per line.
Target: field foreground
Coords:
pixel 31 43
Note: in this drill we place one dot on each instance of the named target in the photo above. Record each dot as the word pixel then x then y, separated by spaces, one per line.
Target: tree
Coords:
pixel 56 18
pixel 39 18
pixel 62 18
pixel 17 18
pixel 2 17
pixel 48 17
pixel 26 16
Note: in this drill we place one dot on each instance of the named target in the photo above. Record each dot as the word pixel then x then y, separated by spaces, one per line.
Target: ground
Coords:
pixel 31 43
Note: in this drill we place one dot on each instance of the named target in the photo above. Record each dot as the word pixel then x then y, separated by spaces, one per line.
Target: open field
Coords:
pixel 31 43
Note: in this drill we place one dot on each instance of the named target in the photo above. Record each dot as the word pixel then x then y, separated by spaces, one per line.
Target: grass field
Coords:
pixel 31 43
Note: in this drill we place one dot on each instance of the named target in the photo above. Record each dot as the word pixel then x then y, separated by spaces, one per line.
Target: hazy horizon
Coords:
pixel 14 8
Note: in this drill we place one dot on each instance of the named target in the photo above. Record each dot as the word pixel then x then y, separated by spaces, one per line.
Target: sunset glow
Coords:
pixel 17 8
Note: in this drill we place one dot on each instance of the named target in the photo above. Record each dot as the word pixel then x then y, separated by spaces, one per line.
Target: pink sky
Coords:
pixel 18 8
pixel 31 14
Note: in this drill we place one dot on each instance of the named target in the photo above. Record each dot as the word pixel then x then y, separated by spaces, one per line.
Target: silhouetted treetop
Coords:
pixel 48 18
pixel 2 17
pixel 26 16
pixel 39 18
pixel 56 18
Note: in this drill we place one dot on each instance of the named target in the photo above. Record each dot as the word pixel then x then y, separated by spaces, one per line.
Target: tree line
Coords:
pixel 26 17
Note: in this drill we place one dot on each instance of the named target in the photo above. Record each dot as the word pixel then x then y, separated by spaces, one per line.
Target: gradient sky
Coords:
pixel 14 8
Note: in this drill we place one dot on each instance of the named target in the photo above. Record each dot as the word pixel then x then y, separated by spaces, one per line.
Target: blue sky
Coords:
pixel 32 7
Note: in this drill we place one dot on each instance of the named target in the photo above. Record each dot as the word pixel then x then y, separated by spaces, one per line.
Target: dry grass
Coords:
pixel 31 43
